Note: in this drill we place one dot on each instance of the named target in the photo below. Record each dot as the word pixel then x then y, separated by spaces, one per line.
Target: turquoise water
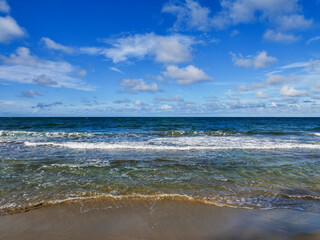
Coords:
pixel 241 162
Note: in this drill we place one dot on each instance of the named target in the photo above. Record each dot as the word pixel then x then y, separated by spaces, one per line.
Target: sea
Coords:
pixel 255 163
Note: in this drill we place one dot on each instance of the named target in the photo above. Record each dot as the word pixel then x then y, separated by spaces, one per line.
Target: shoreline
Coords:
pixel 157 219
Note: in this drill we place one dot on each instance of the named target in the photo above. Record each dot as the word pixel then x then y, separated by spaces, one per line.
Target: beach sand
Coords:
pixel 168 218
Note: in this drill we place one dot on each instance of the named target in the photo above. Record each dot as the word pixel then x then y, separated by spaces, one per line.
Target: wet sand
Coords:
pixel 157 219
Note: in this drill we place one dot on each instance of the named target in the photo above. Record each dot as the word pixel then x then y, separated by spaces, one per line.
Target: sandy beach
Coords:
pixel 167 218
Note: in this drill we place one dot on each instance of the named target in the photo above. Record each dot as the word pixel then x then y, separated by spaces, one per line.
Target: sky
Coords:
pixel 160 58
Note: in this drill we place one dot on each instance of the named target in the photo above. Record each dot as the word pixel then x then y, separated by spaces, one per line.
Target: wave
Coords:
pixel 142 146
pixel 12 208
pixel 175 133
pixel 223 133
pixel 45 134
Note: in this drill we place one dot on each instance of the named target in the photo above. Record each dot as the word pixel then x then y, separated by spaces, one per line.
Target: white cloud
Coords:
pixel 165 49
pixel 82 73
pixel 292 92
pixel 23 67
pixel 187 75
pixel 115 69
pixel 277 79
pixel 272 80
pixel 282 37
pixel 241 61
pixel 260 94
pixel 4 7
pixel 309 66
pixel 261 60
pixel 191 13
pixel 22 56
pixel 282 13
pixel 313 39
pixel 138 85
pixel 56 46
pixel 244 11
pixel 138 102
pixel 9 29
pixel 293 22
pixel 165 107
pixel 31 93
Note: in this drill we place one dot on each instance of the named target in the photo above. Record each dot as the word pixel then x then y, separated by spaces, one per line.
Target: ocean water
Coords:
pixel 262 163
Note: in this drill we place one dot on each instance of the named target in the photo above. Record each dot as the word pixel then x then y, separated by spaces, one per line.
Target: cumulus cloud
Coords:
pixel 138 85
pixel 9 29
pixel 165 107
pixel 275 79
pixel 165 49
pixel 260 94
pixel 23 67
pixel 44 80
pixel 272 80
pixel 190 13
pixel 187 75
pixel 140 103
pixel 22 56
pixel 276 36
pixel 283 14
pixel 292 92
pixel 31 94
pixel 4 7
pixel 293 22
pixel 50 44
pixel 261 60
pixel 245 105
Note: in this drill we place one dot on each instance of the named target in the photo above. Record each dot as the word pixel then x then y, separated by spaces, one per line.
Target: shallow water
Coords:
pixel 241 162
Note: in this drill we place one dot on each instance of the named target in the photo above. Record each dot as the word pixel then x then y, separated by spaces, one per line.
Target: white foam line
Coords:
pixel 126 146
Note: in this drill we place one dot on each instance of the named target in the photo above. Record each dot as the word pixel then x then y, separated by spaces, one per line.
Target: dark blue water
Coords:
pixel 242 162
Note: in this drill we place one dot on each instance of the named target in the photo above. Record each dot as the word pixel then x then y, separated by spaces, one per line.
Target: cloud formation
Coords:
pixel 115 69
pixel 190 13
pixel 47 105
pixel 281 15
pixel 165 49
pixel 261 60
pixel 272 80
pixel 313 39
pixel 9 29
pixel 31 94
pixel 138 85
pixel 4 6
pixel 187 75
pixel 292 92
pixel 23 67
pixel 50 44
pixel 276 36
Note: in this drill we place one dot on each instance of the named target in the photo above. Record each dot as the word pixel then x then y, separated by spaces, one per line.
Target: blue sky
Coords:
pixel 160 58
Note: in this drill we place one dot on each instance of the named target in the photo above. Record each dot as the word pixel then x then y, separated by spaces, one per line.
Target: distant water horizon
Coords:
pixel 244 162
